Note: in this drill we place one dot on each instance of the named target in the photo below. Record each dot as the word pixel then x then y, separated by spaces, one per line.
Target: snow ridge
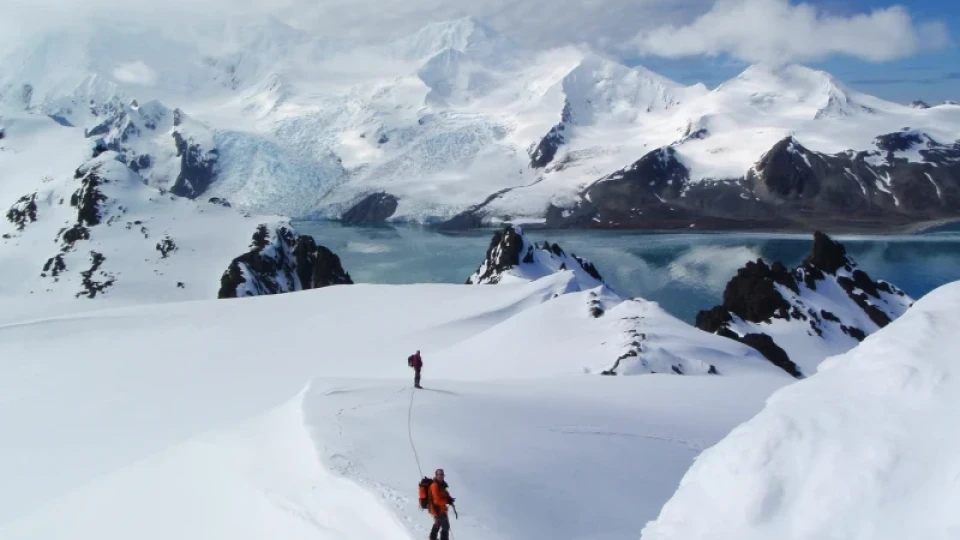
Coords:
pixel 856 451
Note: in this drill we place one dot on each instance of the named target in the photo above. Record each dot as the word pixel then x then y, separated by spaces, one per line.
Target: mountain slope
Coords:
pixel 824 307
pixel 308 437
pixel 858 450
pixel 461 127
pixel 102 237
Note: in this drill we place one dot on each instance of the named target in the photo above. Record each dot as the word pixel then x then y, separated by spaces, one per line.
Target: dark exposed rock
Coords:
pixel 91 287
pixel 854 332
pixel 508 249
pixel 770 349
pixel 88 199
pixel 23 211
pixel 374 208
pixel 166 246
pixel 73 235
pixel 900 141
pixel 221 202
pixel 281 262
pixel 751 296
pixel 829 316
pixel 54 266
pixel 920 104
pixel 790 187
pixel 543 153
pixel 826 254
pixel 504 253
pixel 197 167
pixel 140 163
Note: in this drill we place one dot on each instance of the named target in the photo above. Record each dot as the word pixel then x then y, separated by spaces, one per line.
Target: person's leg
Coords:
pixel 444 527
pixel 435 529
pixel 416 378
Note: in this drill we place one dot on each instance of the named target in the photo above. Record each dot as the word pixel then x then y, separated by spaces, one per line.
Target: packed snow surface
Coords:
pixel 287 415
pixel 864 449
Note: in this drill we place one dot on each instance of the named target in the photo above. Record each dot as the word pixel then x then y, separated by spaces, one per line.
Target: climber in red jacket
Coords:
pixel 416 363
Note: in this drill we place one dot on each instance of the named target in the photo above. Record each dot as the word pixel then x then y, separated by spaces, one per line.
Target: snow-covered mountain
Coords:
pixel 281 261
pixel 512 257
pixel 798 318
pixel 101 236
pixel 457 125
pixel 857 451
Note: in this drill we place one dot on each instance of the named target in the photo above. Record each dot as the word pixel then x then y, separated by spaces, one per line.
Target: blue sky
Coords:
pixel 932 75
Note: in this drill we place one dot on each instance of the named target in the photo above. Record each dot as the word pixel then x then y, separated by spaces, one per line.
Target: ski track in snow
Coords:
pixel 274 436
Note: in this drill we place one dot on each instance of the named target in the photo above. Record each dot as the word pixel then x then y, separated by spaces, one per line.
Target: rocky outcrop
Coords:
pixel 281 261
pixel 543 152
pixel 510 256
pixel 372 209
pixel 197 167
pixel 910 177
pixel 23 211
pixel 826 304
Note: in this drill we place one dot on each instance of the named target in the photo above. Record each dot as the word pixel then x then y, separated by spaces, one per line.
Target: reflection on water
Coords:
pixel 683 272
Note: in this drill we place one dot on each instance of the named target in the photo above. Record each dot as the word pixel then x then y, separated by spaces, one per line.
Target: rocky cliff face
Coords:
pixel 374 208
pixel 798 317
pixel 281 261
pixel 512 257
pixel 910 177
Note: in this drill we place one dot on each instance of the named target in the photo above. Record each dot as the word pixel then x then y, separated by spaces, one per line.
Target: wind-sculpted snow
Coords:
pixel 825 306
pixel 858 450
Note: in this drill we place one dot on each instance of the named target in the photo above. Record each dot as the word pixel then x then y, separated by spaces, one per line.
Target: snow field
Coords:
pixel 193 418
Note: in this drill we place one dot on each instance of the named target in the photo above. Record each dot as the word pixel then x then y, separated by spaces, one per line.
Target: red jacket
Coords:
pixel 414 361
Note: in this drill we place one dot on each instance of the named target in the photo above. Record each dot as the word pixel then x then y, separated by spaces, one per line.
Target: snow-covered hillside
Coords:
pixel 287 414
pixel 797 318
pixel 456 124
pixel 863 449
pixel 99 236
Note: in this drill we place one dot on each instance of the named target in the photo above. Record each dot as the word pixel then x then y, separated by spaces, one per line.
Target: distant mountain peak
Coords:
pixel 467 35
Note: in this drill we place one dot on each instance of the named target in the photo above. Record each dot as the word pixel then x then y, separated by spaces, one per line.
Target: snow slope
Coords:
pixel 176 415
pixel 442 119
pixel 860 450
pixel 101 237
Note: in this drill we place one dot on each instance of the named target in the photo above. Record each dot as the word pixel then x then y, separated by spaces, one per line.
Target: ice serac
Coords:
pixel 281 261
pixel 511 257
pixel 859 450
pixel 798 318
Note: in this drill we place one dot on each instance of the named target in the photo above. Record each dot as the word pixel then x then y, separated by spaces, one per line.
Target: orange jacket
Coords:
pixel 439 498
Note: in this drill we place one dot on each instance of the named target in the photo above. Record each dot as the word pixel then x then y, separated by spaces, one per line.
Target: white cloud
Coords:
pixel 531 22
pixel 135 73
pixel 779 31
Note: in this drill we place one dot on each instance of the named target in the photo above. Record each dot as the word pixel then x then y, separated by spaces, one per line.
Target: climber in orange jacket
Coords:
pixel 435 498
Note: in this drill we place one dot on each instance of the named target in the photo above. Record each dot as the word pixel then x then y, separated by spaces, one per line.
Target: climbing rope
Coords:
pixel 414 448
pixel 410 432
